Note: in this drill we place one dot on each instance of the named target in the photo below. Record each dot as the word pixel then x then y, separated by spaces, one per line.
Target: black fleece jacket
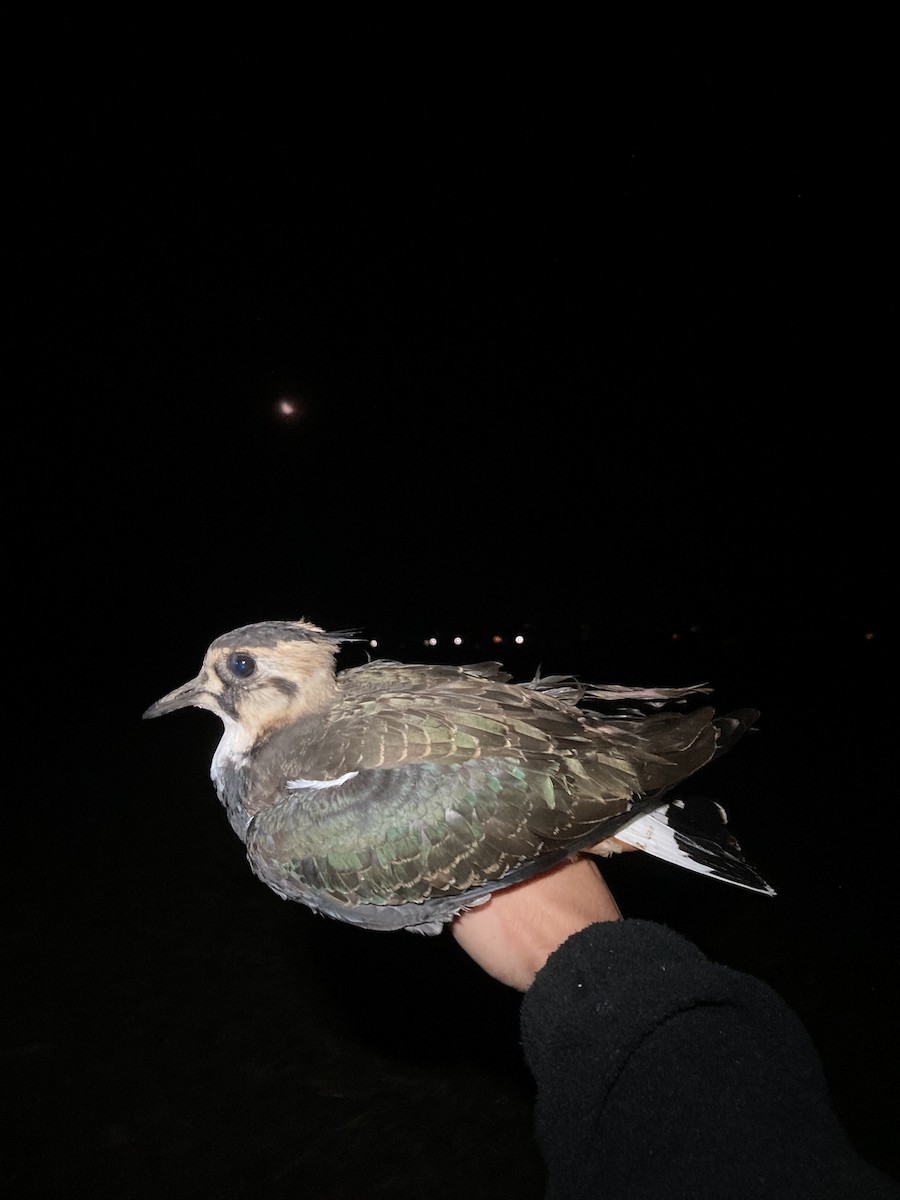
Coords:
pixel 663 1075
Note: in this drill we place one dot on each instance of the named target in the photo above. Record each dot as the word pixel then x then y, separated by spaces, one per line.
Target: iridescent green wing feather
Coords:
pixel 407 834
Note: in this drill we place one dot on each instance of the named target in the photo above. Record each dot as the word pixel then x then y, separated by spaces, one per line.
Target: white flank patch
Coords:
pixel 296 785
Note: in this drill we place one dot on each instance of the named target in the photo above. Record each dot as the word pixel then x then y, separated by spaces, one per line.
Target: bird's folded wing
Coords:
pixel 406 834
pixel 446 822
pixel 394 728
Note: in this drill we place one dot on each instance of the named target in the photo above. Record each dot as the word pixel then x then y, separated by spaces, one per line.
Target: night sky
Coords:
pixel 565 344
pixel 421 336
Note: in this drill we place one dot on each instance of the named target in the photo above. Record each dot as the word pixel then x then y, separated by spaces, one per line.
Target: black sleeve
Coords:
pixel 661 1074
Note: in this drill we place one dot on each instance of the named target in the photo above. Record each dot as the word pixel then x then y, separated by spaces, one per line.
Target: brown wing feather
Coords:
pixel 389 717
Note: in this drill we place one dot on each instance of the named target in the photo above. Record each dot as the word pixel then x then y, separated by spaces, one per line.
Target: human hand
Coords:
pixel 518 928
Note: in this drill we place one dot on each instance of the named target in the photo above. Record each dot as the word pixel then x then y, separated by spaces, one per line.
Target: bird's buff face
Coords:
pixel 260 677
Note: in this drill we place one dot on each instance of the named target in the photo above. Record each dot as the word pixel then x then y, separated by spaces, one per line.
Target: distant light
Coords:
pixel 289 409
pixel 432 641
pixel 373 642
pixel 519 639
pixel 457 641
pixel 496 639
pixel 870 637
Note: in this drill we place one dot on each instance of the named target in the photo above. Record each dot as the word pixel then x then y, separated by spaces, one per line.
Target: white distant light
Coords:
pixel 431 641
pixel 373 642
pixel 519 639
pixel 289 408
pixel 457 641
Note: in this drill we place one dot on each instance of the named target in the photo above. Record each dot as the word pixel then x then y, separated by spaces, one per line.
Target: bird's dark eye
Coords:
pixel 241 664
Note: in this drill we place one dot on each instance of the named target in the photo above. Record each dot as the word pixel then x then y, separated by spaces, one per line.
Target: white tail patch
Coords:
pixel 652 833
pixel 707 850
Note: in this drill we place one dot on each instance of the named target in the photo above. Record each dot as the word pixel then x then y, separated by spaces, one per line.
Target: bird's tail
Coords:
pixel 692 832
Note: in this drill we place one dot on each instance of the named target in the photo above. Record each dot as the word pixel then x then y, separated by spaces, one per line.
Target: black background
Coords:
pixel 585 342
